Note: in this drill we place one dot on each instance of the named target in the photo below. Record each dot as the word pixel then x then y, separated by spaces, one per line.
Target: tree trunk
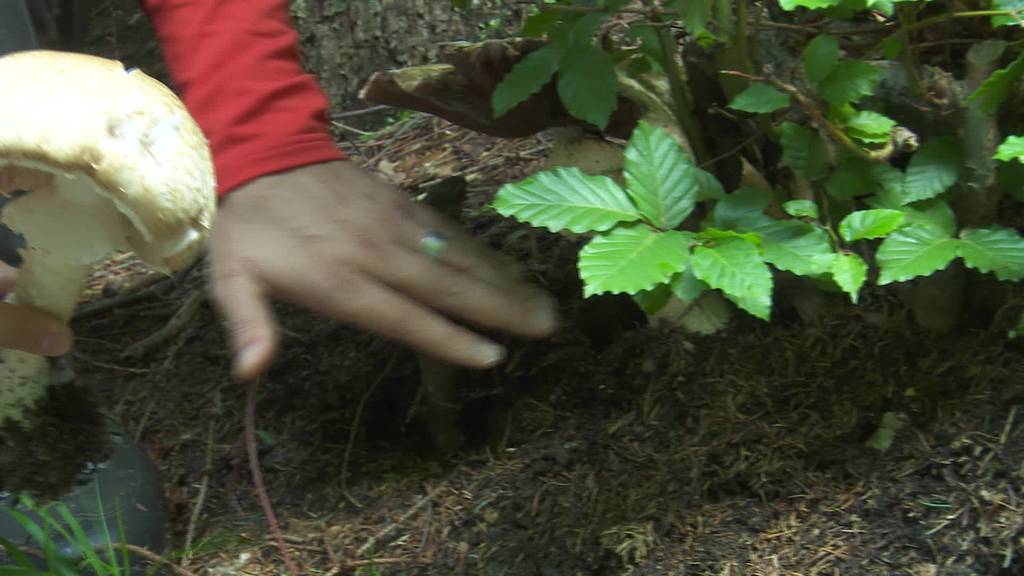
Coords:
pixel 345 41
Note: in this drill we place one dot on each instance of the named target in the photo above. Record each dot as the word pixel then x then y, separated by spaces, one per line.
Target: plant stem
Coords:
pixel 940 18
pixel 819 120
pixel 682 106
pixel 906 17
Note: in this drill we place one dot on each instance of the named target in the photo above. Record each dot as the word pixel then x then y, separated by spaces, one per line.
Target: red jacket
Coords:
pixel 236 65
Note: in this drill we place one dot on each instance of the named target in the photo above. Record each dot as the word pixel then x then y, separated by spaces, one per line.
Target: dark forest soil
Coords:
pixel 612 448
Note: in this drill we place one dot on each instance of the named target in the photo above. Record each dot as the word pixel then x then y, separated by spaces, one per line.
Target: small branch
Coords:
pixel 363 112
pixel 940 18
pixel 819 120
pixel 394 525
pixel 257 475
pixel 185 314
pixel 682 105
pixel 151 557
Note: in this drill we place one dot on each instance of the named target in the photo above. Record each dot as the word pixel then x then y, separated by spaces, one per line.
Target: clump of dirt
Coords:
pixel 43 454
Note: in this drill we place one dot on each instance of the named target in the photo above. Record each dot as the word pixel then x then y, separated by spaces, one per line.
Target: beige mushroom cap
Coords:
pixel 125 137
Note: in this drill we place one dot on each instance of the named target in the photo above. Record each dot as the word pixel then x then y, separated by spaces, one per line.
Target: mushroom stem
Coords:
pixel 52 285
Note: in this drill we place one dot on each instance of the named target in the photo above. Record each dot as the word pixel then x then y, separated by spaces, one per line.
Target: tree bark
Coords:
pixel 345 41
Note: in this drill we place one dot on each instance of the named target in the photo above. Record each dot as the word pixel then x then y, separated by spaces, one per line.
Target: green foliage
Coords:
pixel 876 223
pixel 57 521
pixel 760 98
pixel 659 177
pixel 849 271
pixel 630 259
pixel 567 199
pixel 802 150
pixel 1011 149
pixel 820 58
pixel 996 249
pixel 801 209
pixel 914 251
pixel 849 82
pixel 869 127
pixel 998 86
pixel 932 170
pixel 585 72
pixel 735 267
pixel 587 84
pixel 527 78
pixel 826 127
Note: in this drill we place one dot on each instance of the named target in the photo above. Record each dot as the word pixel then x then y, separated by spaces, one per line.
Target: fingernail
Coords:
pixel 246 360
pixel 545 317
pixel 54 343
pixel 490 354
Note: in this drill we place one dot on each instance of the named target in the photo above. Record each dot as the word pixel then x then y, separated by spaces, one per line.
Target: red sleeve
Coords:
pixel 236 65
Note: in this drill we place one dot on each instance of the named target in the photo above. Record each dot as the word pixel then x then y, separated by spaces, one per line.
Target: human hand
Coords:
pixel 27 329
pixel 336 239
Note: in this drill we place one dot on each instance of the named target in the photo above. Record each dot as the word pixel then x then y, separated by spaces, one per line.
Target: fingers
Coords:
pixel 365 303
pixel 246 311
pixel 29 330
pixel 509 305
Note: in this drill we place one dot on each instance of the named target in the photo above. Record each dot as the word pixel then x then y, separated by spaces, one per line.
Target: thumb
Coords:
pixel 29 330
pixel 248 317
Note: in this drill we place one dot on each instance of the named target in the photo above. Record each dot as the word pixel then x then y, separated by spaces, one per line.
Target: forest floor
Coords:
pixel 612 448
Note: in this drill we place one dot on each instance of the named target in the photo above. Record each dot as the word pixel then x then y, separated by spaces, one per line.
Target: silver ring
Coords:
pixel 434 244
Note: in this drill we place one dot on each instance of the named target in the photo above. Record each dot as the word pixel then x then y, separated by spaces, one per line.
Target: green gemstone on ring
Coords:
pixel 434 244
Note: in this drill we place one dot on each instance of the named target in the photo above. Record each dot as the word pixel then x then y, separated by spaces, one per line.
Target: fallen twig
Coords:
pixel 394 525
pixel 186 312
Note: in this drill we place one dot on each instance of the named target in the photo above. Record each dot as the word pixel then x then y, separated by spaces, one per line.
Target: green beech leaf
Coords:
pixel 914 251
pixel 798 247
pixel 526 78
pixel 633 258
pixel 695 15
pixel 1011 149
pixel 716 234
pixel 995 249
pixel 760 98
pixel 851 179
pixel 1010 176
pixel 742 209
pixel 811 4
pixel 820 57
pixel 539 24
pixel 735 267
pixel 933 169
pixel 849 271
pixel 687 287
pixel 933 213
pixel 659 176
pixel 708 187
pixel 801 208
pixel 803 151
pixel 870 224
pixel 1014 5
pixel 587 84
pixel 566 199
pixel 652 301
pixel 849 82
pixel 998 86
pixel 870 127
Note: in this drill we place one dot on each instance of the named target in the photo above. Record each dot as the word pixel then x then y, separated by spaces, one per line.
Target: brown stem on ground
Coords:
pixel 257 475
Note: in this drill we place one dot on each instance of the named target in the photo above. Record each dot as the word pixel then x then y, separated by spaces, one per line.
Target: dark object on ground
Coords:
pixel 122 490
